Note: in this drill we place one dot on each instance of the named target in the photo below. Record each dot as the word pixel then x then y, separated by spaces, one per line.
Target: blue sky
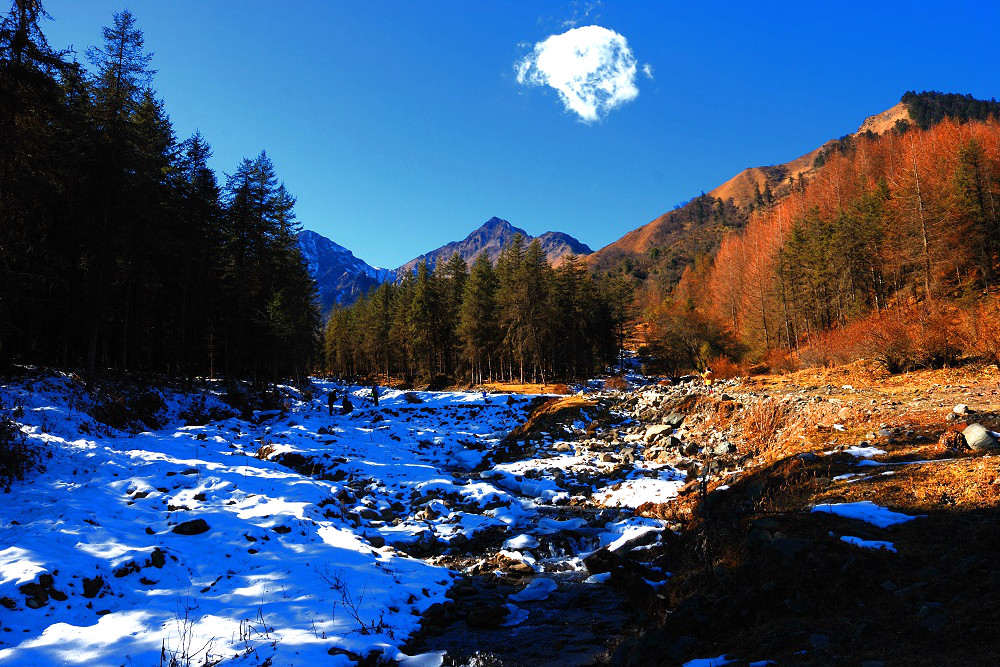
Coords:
pixel 402 126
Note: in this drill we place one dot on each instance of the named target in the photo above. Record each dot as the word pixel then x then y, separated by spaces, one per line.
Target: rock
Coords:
pixel 158 558
pixel 659 456
pixel 486 616
pixel 36 595
pixel 674 419
pixel 564 448
pixel 653 433
pixel 979 438
pixel 520 569
pixel 601 561
pixel 723 448
pixel 962 409
pixel 439 613
pixel 91 587
pixel 376 541
pixel 788 547
pixel 193 527
pixel 934 621
pixel 952 441
pixel 641 540
pixel 608 457
pixel 410 397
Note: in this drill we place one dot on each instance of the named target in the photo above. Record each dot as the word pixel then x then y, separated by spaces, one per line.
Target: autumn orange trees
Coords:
pixel 906 221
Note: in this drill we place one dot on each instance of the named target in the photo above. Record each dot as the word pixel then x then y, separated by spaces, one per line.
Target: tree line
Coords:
pixel 521 320
pixel 118 246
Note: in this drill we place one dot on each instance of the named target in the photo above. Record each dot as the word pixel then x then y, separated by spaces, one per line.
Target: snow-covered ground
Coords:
pixel 294 517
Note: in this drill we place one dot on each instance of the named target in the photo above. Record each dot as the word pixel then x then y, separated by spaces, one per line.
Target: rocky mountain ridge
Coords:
pixel 491 237
pixel 341 278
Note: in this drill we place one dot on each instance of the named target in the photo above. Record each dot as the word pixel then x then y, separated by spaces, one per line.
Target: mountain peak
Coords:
pixel 491 237
pixel 340 276
pixel 496 222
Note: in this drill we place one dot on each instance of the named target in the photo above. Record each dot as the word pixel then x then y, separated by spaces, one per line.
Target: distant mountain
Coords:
pixel 491 238
pixel 341 278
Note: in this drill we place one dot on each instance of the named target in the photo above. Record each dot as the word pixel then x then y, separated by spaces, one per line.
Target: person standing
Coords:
pixel 331 398
pixel 375 393
pixel 708 377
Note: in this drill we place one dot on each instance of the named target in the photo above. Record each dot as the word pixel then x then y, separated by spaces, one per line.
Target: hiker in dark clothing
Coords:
pixel 331 398
pixel 375 393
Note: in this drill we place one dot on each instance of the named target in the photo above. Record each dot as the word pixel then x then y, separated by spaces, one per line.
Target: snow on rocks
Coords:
pixel 864 451
pixel 212 521
pixel 868 544
pixel 867 511
pixel 537 589
pixel 521 542
pixel 129 542
pixel 636 492
pixel 708 662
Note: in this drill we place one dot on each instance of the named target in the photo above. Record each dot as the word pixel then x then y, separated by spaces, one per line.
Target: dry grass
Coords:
pixel 763 424
pixel 551 413
pixel 519 388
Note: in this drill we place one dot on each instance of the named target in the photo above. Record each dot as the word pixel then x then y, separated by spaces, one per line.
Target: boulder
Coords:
pixel 193 527
pixel 674 419
pixel 979 438
pixel 653 433
pixel 91 587
pixel 486 616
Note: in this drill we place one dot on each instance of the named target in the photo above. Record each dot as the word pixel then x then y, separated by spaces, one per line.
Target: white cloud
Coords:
pixel 647 69
pixel 592 69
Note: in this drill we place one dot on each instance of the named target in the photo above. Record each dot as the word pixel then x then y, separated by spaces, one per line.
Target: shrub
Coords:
pixel 16 457
pixel 129 410
pixel 981 333
pixel 763 422
pixel 936 333
pixel 780 360
pixel 616 382
pixel 837 346
pixel 724 369
pixel 198 412
pixel 889 342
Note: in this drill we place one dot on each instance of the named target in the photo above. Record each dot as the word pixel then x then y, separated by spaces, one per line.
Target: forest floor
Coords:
pixel 814 518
